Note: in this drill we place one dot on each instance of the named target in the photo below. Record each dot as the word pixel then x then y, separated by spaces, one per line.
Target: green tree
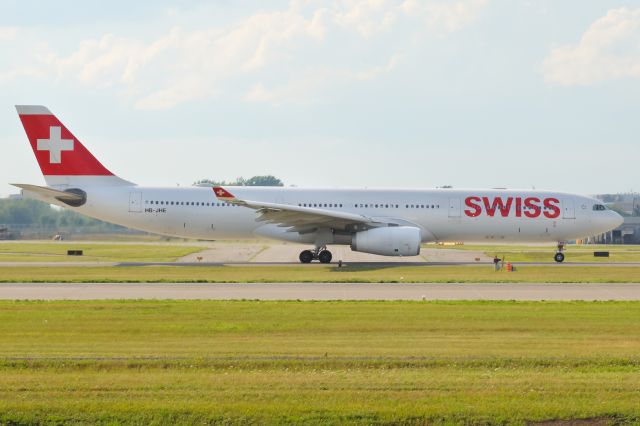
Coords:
pixel 37 213
pixel 266 180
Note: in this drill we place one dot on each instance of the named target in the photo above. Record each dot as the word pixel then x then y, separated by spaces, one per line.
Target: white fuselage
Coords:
pixel 441 214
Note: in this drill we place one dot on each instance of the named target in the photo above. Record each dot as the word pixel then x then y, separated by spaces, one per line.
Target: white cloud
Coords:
pixel 610 48
pixel 298 89
pixel 295 91
pixel 445 17
pixel 272 56
pixel 8 34
pixel 367 17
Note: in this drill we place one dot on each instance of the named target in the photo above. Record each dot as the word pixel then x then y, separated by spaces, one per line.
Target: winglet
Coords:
pixel 223 194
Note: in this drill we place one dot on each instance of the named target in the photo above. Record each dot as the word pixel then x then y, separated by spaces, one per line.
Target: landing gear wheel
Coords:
pixel 306 256
pixel 559 257
pixel 324 256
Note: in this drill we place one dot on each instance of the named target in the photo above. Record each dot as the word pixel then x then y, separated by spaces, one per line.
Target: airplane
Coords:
pixel 389 222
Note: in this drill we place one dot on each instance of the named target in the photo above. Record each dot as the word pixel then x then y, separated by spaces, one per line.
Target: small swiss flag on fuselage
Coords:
pixel 222 193
pixel 58 152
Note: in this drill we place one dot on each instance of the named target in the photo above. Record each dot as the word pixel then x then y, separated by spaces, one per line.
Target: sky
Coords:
pixel 338 93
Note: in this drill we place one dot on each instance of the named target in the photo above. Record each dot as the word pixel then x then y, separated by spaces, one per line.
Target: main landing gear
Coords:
pixel 559 256
pixel 320 253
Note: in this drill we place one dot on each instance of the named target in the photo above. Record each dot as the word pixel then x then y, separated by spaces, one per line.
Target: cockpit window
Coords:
pixel 599 207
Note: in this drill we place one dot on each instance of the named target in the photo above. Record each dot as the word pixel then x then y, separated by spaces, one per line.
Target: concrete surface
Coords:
pixel 267 251
pixel 325 291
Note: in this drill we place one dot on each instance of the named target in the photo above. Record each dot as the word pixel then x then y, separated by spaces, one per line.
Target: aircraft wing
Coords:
pixel 301 219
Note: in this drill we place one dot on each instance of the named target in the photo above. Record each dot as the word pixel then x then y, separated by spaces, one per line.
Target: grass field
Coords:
pixel 320 273
pixel 202 362
pixel 544 253
pixel 93 252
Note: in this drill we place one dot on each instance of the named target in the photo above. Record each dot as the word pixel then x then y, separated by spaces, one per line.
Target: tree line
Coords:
pixel 266 180
pixel 36 213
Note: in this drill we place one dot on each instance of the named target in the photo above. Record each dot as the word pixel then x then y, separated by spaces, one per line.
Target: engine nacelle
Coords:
pixel 388 241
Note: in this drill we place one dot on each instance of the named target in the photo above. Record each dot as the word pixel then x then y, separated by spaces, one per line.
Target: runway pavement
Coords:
pixel 324 291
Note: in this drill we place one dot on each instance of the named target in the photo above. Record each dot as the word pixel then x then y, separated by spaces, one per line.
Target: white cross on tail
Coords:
pixel 55 145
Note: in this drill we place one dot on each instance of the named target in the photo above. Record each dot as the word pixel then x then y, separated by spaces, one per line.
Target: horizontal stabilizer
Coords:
pixel 71 198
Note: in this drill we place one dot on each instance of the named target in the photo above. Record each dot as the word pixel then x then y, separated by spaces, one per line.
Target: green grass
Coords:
pixel 201 362
pixel 320 273
pixel 93 252
pixel 542 253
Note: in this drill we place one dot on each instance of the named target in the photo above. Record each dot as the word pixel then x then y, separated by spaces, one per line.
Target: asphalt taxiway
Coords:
pixel 321 291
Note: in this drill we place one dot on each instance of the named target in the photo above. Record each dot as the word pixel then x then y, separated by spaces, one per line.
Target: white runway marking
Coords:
pixel 321 291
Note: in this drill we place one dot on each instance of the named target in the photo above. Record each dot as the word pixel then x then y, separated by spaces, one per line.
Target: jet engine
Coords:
pixel 388 241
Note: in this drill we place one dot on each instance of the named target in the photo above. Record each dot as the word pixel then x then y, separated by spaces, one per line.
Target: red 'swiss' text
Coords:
pixel 531 207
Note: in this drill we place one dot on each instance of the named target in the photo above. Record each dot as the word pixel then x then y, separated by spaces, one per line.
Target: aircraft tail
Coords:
pixel 62 158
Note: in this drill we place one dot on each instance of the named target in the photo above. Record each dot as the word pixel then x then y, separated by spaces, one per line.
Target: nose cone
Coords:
pixel 605 221
pixel 615 219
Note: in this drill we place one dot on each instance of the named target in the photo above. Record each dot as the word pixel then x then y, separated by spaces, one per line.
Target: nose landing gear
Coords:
pixel 320 253
pixel 559 256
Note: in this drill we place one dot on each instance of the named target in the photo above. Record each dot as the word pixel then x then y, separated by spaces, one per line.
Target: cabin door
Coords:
pixel 454 207
pixel 135 202
pixel 568 210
